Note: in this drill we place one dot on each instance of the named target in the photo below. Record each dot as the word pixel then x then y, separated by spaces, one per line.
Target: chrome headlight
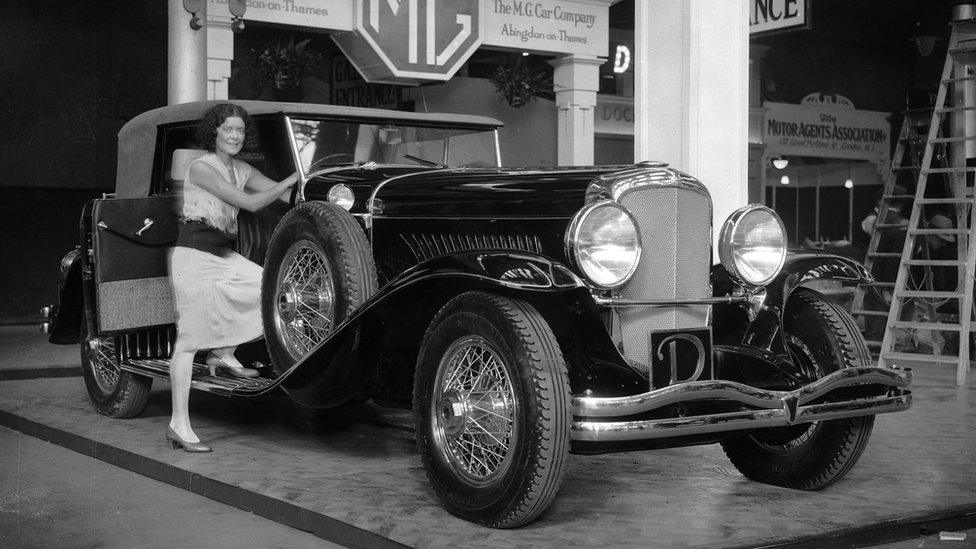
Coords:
pixel 752 244
pixel 341 196
pixel 605 244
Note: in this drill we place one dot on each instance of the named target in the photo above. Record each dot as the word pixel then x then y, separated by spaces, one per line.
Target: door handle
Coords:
pixel 148 223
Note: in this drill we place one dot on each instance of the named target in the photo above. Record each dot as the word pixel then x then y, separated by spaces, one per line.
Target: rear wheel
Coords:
pixel 113 392
pixel 491 408
pixel 822 338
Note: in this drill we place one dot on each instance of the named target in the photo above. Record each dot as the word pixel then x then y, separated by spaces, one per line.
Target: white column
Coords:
pixel 186 56
pixel 220 53
pixel 576 79
pixel 692 93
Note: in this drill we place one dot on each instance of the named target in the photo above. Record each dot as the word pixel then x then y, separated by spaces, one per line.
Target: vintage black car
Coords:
pixel 522 314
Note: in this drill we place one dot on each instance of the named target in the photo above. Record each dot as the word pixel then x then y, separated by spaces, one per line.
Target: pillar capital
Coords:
pixel 576 72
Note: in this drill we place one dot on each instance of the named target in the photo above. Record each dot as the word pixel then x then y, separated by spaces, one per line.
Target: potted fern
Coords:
pixel 285 66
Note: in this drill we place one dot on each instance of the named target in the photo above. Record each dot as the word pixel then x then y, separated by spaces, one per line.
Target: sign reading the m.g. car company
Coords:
pixel 826 130
pixel 563 26
pixel 405 41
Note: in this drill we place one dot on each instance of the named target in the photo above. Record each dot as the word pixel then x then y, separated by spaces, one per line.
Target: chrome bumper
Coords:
pixel 770 408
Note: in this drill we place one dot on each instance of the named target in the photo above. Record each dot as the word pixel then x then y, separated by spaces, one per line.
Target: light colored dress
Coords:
pixel 218 299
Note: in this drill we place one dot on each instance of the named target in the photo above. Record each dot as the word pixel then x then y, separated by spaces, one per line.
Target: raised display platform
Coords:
pixel 352 475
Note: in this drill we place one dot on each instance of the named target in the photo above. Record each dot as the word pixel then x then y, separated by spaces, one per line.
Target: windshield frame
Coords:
pixel 305 176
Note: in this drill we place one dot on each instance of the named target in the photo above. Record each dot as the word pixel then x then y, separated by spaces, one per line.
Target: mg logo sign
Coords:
pixel 406 41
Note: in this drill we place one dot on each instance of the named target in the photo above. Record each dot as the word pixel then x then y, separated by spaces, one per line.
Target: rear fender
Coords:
pixel 396 318
pixel 65 318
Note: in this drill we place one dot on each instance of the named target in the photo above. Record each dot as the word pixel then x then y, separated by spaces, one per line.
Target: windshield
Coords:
pixel 323 143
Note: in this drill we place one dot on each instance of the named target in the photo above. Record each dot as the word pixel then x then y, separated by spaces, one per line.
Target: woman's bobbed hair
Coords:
pixel 206 132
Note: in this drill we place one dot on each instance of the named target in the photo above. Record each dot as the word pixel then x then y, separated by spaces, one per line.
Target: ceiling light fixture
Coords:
pixel 785 180
pixel 780 163
pixel 849 184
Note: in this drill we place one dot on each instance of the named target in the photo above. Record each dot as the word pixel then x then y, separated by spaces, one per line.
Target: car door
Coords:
pixel 131 238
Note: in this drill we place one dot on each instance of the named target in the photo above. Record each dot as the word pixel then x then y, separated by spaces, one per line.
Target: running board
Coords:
pixel 202 380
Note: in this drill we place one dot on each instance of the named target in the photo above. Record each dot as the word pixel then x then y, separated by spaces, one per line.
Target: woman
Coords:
pixel 217 291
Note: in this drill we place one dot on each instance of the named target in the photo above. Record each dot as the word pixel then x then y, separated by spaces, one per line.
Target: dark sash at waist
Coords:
pixel 206 238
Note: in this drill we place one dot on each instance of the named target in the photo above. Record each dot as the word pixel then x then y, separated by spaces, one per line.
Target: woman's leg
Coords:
pixel 180 373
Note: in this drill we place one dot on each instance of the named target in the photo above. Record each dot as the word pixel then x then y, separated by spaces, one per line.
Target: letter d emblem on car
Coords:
pixel 680 356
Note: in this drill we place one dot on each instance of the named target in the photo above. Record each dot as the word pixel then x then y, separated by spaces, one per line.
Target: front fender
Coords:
pixel 766 331
pixel 394 321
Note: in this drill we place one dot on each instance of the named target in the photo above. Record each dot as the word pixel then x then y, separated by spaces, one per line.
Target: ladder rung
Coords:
pixel 944 110
pixel 882 284
pixel 899 196
pixel 959 79
pixel 940 326
pixel 901 226
pixel 872 343
pixel 953 139
pixel 922 358
pixel 938 231
pixel 867 312
pixel 903 168
pixel 884 254
pixel 933 295
pixel 935 262
pixel 963 200
pixel 950 170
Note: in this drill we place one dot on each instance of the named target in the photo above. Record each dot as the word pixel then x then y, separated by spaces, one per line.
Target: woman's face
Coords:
pixel 230 136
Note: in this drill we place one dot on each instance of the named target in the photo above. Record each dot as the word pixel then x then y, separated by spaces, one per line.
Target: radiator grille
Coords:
pixel 427 246
pixel 675 227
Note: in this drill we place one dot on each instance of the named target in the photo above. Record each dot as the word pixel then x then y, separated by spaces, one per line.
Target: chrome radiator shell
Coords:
pixel 674 216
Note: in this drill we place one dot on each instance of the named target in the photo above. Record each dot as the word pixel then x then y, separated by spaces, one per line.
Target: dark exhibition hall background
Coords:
pixel 74 72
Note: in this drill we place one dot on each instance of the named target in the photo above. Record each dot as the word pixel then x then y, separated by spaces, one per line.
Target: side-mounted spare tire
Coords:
pixel 318 270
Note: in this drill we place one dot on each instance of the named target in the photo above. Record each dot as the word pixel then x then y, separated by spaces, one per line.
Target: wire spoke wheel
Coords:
pixel 491 409
pixel 475 409
pixel 113 391
pixel 304 304
pixel 104 360
pixel 318 270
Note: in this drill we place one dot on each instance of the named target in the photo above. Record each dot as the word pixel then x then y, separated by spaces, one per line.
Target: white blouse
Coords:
pixel 200 205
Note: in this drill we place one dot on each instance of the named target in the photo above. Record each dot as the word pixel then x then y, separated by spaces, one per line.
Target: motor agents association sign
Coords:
pixel 825 131
pixel 405 41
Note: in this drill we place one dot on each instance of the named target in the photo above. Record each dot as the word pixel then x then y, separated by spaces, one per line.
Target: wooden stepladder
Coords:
pixel 951 140
pixel 873 300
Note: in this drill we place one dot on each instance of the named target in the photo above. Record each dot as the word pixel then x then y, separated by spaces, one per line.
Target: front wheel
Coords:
pixel 113 392
pixel 822 338
pixel 491 409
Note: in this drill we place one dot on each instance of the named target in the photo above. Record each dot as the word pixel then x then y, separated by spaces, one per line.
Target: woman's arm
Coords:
pixel 207 178
pixel 260 182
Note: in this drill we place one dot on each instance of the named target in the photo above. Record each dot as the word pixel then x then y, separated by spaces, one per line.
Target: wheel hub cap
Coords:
pixel 287 300
pixel 475 411
pixel 305 298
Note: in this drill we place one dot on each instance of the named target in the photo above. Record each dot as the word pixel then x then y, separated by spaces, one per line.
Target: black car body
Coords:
pixel 521 313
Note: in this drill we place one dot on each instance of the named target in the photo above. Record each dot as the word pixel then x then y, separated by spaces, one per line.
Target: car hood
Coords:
pixel 485 192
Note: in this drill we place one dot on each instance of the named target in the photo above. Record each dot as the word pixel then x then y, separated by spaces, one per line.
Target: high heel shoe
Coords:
pixel 214 362
pixel 176 442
